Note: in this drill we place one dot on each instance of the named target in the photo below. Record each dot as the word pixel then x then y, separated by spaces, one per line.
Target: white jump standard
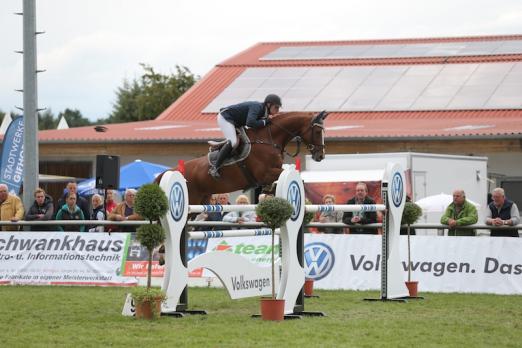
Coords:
pixel 242 278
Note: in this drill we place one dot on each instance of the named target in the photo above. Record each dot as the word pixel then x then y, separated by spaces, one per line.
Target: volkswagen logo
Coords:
pixel 294 197
pixel 397 189
pixel 319 260
pixel 176 201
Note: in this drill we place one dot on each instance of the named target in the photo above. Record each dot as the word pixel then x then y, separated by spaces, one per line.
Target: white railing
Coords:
pixel 222 224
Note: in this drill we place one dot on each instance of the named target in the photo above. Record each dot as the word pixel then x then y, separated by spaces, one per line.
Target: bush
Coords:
pixel 274 212
pixel 150 236
pixel 142 294
pixel 151 202
pixel 411 213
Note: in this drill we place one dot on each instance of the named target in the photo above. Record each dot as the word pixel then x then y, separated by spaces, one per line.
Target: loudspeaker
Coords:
pixel 107 172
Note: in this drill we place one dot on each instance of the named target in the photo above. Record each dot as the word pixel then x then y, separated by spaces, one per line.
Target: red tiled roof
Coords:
pixel 355 125
pixel 187 112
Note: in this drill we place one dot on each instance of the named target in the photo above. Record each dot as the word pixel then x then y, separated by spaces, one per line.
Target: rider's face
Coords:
pixel 273 109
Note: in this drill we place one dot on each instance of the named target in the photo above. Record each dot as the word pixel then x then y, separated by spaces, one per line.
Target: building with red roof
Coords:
pixel 439 95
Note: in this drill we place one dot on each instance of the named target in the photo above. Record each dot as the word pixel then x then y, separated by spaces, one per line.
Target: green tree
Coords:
pixel 74 118
pixel 46 120
pixel 2 114
pixel 146 97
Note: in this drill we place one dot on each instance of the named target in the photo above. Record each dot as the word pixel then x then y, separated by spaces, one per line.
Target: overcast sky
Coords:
pixel 91 46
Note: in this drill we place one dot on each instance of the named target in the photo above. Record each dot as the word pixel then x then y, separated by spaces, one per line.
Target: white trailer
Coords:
pixel 426 174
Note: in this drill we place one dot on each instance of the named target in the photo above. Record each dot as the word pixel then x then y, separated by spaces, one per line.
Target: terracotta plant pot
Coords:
pixel 272 309
pixel 309 287
pixel 144 310
pixel 412 288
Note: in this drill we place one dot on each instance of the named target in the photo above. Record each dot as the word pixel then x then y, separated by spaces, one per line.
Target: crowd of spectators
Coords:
pixel 71 206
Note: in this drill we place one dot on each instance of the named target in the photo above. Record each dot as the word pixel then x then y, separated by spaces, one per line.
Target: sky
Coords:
pixel 91 46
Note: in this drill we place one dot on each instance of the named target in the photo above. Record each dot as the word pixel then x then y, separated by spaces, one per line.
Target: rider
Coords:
pixel 251 114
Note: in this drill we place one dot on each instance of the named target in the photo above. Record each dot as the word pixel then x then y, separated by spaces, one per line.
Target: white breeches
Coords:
pixel 228 130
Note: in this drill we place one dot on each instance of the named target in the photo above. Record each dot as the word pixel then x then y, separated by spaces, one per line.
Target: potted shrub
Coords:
pixel 151 203
pixel 274 213
pixel 410 215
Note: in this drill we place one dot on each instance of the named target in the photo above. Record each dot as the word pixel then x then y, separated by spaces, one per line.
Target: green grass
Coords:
pixel 80 316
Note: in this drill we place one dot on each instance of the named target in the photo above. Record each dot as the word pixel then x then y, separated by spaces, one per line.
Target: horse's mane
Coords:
pixel 293 114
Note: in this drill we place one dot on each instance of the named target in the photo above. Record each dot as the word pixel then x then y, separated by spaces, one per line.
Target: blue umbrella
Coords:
pixel 132 175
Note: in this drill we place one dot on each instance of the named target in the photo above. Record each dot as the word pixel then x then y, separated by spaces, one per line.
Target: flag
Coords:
pixel 12 165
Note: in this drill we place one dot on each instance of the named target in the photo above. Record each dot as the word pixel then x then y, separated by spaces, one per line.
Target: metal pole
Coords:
pixel 31 169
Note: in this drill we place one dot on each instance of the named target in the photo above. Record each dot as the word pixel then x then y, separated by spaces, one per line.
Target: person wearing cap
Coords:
pixel 251 114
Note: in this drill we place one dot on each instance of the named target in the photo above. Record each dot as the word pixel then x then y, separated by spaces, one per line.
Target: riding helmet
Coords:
pixel 273 99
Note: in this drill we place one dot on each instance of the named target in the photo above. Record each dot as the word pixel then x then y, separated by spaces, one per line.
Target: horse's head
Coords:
pixel 313 137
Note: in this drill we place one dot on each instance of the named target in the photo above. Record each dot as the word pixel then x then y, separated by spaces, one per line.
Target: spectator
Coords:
pixel 110 203
pixel 460 213
pixel 261 198
pixel 41 210
pixel 241 216
pixel 210 216
pixel 223 199
pixel 502 212
pixel 125 211
pixel 70 211
pixel 330 216
pixel 11 208
pixel 361 217
pixel 80 201
pixel 98 213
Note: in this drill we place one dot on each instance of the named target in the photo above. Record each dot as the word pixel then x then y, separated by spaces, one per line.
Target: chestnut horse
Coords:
pixel 265 159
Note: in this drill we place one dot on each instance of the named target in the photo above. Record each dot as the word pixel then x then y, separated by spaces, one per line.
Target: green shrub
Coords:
pixel 150 236
pixel 151 202
pixel 274 212
pixel 411 213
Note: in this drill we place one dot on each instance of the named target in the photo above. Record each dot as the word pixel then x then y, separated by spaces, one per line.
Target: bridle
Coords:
pixel 312 147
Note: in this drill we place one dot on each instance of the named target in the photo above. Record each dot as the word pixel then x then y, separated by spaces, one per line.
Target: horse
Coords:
pixel 265 161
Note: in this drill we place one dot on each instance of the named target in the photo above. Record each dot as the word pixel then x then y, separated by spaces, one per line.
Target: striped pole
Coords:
pixel 198 235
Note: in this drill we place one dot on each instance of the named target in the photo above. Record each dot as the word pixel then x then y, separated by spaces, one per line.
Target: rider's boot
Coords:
pixel 223 153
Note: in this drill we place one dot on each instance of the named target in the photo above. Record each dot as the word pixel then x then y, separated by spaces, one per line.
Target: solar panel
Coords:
pixel 435 49
pixel 381 88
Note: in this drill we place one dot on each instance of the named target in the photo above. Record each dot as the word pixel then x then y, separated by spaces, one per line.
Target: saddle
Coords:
pixel 239 154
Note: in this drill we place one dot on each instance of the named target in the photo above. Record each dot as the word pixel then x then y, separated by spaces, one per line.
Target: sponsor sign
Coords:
pixel 257 250
pixel 440 264
pixel 12 166
pixel 137 258
pixel 63 258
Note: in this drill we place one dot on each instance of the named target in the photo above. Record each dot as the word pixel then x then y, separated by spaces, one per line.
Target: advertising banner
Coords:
pixel 12 165
pixel 63 258
pixel 136 263
pixel 257 250
pixel 440 264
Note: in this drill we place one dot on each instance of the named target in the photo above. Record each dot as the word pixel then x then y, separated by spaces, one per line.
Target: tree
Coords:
pixel 146 97
pixel 46 120
pixel 74 118
pixel 2 114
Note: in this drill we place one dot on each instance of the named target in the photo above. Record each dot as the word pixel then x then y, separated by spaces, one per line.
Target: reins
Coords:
pixel 310 146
